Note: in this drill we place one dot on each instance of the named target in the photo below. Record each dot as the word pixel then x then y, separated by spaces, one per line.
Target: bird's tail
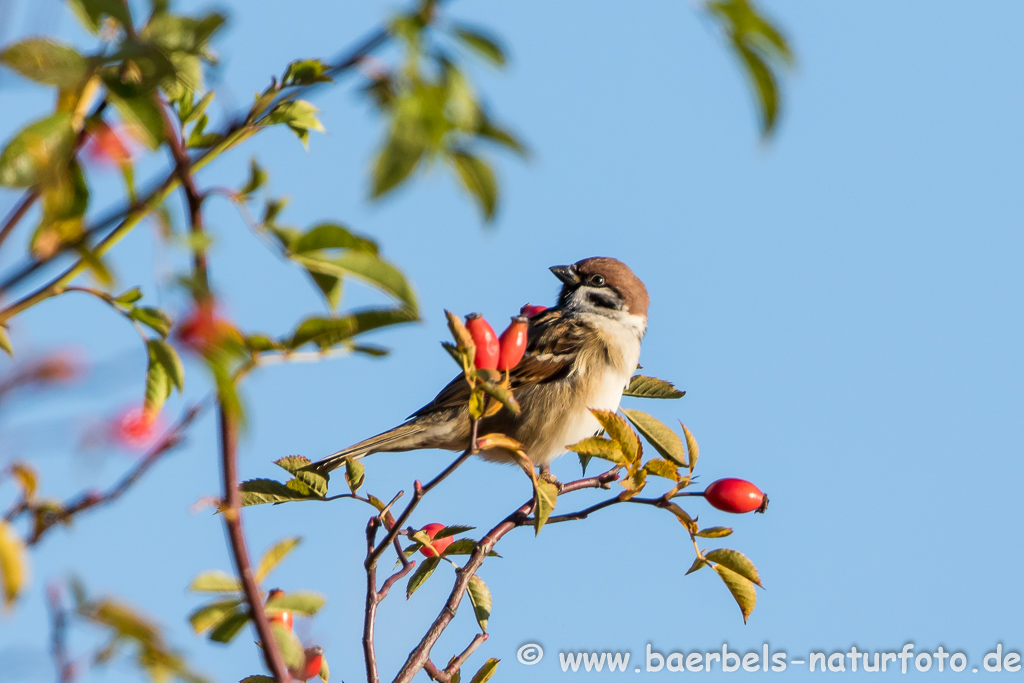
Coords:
pixel 395 439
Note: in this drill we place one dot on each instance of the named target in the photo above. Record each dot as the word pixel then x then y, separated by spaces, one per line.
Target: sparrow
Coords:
pixel 580 354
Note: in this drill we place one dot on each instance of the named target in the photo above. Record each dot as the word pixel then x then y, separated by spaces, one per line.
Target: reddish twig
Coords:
pixel 236 539
pixel 375 596
pixel 420 655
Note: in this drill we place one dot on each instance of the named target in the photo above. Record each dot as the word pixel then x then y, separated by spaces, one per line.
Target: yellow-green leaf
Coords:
pixel 664 440
pixel 715 532
pixel 741 588
pixel 546 495
pixel 13 563
pixel 480 596
pixel 421 574
pixel 272 557
pixel 736 561
pixel 486 671
pixel 478 179
pixel 215 581
pixel 210 616
pixel 46 61
pixel 599 447
pixel 691 447
pixel 618 429
pixel 641 386
pixel 37 149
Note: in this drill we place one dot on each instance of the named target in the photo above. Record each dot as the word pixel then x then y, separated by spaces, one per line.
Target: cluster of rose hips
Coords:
pixel 503 352
pixel 314 659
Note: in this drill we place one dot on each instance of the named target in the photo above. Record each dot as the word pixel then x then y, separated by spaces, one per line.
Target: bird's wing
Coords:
pixel 553 342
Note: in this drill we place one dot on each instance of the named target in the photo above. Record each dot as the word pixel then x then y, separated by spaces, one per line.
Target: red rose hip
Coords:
pixel 437 547
pixel 530 310
pixel 487 348
pixel 314 662
pixel 736 495
pixel 513 343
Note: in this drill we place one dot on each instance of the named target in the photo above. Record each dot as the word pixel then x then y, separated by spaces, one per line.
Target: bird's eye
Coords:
pixel 597 280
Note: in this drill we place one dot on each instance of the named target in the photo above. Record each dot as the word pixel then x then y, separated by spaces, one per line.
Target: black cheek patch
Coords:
pixel 602 300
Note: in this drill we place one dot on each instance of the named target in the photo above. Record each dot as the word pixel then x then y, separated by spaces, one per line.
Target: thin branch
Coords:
pixel 419 491
pixel 420 655
pixel 375 596
pixel 233 523
pixel 92 499
pixel 58 643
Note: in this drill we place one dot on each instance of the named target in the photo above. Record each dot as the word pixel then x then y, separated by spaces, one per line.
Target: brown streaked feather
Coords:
pixel 552 344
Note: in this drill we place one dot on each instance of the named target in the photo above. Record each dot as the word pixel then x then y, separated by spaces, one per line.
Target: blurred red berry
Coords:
pixel 286 619
pixel 136 428
pixel 736 495
pixel 487 349
pixel 314 662
pixel 204 328
pixel 437 547
pixel 530 310
pixel 107 145
pixel 513 343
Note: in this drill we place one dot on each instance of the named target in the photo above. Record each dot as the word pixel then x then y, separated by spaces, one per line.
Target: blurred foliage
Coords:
pixel 140 90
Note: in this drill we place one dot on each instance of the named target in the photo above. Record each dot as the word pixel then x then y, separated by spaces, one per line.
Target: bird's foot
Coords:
pixel 545 474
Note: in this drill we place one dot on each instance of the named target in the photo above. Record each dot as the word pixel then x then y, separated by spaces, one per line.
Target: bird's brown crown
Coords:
pixel 618 276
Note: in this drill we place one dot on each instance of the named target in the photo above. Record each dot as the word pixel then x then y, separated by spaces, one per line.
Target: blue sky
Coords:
pixel 841 305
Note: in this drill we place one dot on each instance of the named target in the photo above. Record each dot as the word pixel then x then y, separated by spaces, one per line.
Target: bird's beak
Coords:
pixel 566 274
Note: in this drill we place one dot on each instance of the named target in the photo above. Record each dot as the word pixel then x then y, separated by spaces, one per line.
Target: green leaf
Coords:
pixel 741 588
pixel 481 43
pixel 305 72
pixel 480 596
pixel 292 464
pixel 230 627
pixel 5 342
pixel 684 518
pixel 258 679
pixel 488 130
pixel 664 440
pixel 143 114
pixel 395 162
pixel 421 574
pixel 164 355
pixel 332 236
pixel 641 386
pixel 599 447
pixel 158 383
pixel 354 474
pixel 715 532
pixel 91 12
pixel 46 61
pixel 691 447
pixel 760 47
pixel 365 266
pixel 546 495
pixel 153 318
pixel 129 296
pixel 453 530
pixel 619 430
pixel 662 468
pixel 209 616
pixel 300 116
pixel 307 604
pixel 328 332
pixel 486 671
pixel 503 395
pixel 478 179
pixel 13 563
pixel 215 581
pixel 198 110
pixel 257 178
pixel 291 649
pixel 736 561
pixel 273 556
pixel 259 491
pixel 33 152
pixel 698 563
